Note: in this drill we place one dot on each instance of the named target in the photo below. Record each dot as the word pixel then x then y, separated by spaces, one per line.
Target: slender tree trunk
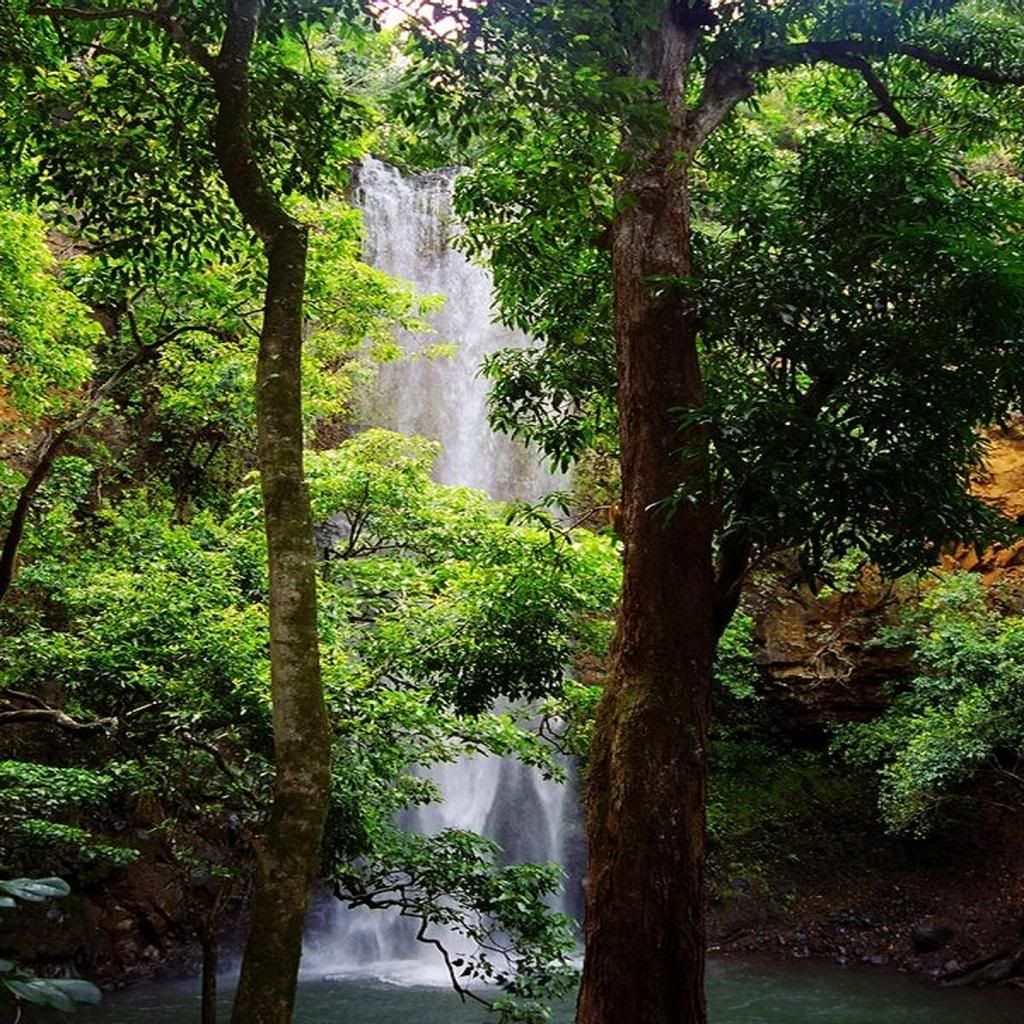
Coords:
pixel 644 926
pixel 291 852
pixel 290 856
pixel 19 518
pixel 208 1007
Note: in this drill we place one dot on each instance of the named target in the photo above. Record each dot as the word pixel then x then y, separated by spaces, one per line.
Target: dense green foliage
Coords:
pixel 47 335
pixel 849 281
pixel 955 732
pixel 860 307
pixel 433 605
pixel 113 122
pixel 139 606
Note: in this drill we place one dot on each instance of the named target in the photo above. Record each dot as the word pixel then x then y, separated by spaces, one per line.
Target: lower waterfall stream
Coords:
pixel 739 992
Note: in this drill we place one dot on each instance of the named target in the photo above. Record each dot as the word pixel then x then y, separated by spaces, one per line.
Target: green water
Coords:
pixel 738 993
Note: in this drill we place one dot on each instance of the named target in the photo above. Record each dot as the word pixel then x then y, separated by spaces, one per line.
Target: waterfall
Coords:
pixel 408 225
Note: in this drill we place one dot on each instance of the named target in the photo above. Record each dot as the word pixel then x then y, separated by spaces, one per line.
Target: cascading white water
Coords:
pixel 408 225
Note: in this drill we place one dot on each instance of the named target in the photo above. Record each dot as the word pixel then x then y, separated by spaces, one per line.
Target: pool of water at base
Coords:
pixel 739 992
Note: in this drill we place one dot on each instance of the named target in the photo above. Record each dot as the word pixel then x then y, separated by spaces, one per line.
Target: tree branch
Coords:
pixel 834 50
pixel 27 698
pixel 733 80
pixel 38 716
pixel 23 506
pixel 428 940
pixel 84 14
pixel 725 85
pixel 161 17
pixel 958 68
pixel 392 894
pixel 232 135
pixel 730 575
pixel 886 104
pixel 236 776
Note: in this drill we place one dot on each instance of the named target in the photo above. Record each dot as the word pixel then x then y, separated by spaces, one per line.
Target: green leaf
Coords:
pixel 56 993
pixel 78 990
pixel 35 890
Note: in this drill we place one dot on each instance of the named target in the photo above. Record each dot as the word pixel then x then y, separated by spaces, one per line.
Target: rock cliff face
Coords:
pixel 819 652
pixel 129 926
pixel 931 905
pixel 1000 482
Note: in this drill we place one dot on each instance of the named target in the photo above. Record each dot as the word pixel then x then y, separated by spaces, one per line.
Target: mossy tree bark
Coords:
pixel 290 855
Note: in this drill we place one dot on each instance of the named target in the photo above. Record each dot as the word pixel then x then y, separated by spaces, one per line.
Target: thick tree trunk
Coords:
pixel 644 925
